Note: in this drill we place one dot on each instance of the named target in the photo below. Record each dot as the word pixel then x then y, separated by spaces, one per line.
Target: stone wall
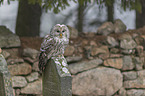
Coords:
pixel 115 68
pixel 112 66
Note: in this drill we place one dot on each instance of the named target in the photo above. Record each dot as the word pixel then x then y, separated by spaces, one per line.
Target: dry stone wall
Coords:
pixel 114 67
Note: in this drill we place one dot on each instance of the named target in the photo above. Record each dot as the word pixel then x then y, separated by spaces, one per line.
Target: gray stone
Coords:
pixel 28 59
pixel 69 50
pixel 35 66
pixel 111 41
pixel 14 61
pixel 127 63
pixel 131 75
pixel 32 53
pixel 57 80
pixel 99 50
pixel 17 92
pixel 104 56
pixel 106 28
pixel 73 32
pixel 122 92
pixel 33 88
pixel 128 51
pixel 138 63
pixel 93 43
pixel 73 59
pixel 8 39
pixel 86 65
pixel 19 81
pixel 6 54
pixel 32 77
pixel 119 26
pixel 127 37
pixel 5 79
pixel 116 55
pixel 114 50
pixel 29 52
pixel 20 69
pixel 137 83
pixel 128 44
pixel 136 92
pixel 140 50
pixel 97 82
pixel 116 63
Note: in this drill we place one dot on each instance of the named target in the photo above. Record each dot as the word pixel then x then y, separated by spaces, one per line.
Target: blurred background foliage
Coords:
pixel 29 12
pixel 58 5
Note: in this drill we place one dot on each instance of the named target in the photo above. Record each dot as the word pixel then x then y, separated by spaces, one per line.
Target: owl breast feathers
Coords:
pixel 53 44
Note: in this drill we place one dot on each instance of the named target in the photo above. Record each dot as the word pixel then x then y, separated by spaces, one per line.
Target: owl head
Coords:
pixel 60 31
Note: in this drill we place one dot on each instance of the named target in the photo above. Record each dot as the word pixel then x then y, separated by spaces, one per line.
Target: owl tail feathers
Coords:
pixel 42 62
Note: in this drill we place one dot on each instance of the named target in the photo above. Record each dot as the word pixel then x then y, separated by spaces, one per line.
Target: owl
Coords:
pixel 53 45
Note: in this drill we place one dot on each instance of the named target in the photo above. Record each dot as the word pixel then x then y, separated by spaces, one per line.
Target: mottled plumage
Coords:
pixel 53 44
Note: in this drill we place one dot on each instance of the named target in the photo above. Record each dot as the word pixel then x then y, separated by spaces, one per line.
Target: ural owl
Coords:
pixel 53 44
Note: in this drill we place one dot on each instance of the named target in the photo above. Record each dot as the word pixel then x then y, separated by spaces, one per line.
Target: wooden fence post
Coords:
pixel 5 79
pixel 57 80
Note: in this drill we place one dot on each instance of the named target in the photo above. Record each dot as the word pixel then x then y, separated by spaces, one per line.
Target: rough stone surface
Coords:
pixel 115 55
pixel 137 83
pixel 32 77
pixel 57 80
pixel 116 63
pixel 138 63
pixel 32 53
pixel 19 81
pixel 139 50
pixel 8 39
pixel 122 92
pixel 20 69
pixel 6 54
pixel 128 51
pixel 33 88
pixel 69 50
pixel 15 61
pixel 111 41
pixel 30 60
pixel 79 67
pixel 5 79
pixel 129 75
pixel 106 28
pixel 103 56
pixel 97 82
pixel 119 26
pixel 128 44
pixel 73 58
pixel 114 50
pixel 101 50
pixel 127 63
pixel 35 66
pixel 93 43
pixel 73 32
pixel 136 92
pixel 127 37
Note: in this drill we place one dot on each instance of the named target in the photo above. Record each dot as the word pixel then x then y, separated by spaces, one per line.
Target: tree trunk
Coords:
pixel 140 17
pixel 28 19
pixel 110 11
pixel 80 17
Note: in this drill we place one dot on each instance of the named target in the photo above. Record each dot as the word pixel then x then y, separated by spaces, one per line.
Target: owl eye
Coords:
pixel 58 31
pixel 63 31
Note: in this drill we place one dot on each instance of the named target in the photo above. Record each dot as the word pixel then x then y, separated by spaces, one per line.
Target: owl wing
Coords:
pixel 46 49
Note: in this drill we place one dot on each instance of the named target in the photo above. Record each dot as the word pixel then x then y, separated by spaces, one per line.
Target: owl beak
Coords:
pixel 60 35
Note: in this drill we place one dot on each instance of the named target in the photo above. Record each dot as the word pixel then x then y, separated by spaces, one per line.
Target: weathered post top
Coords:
pixel 57 78
pixel 5 78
